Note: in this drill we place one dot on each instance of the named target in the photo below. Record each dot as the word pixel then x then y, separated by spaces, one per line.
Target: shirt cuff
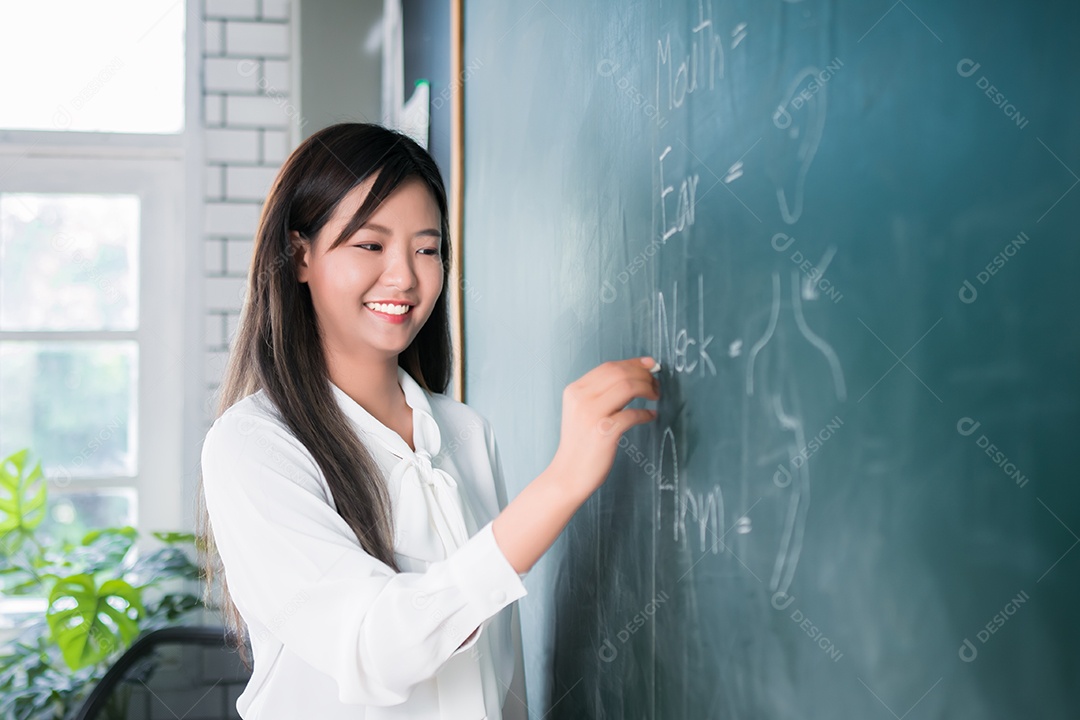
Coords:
pixel 486 578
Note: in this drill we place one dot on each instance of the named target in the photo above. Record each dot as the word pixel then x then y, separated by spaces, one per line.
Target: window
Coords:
pixel 92 210
pixel 70 263
pixel 105 66
pixel 90 321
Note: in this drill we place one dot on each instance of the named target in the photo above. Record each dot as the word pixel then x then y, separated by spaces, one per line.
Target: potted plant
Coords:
pixel 95 597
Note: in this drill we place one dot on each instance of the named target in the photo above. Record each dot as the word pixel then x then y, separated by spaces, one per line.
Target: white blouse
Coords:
pixel 336 633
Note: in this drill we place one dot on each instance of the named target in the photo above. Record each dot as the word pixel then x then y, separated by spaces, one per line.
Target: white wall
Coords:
pixel 250 120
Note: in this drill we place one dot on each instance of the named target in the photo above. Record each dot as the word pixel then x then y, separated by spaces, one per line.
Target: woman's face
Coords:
pixel 394 257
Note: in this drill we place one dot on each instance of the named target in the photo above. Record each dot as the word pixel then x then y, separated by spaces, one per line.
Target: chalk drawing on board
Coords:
pixel 797 488
pixel 815 340
pixel 734 172
pixel 803 122
pixel 738 34
pixel 774 313
pixel 791 540
pixel 809 285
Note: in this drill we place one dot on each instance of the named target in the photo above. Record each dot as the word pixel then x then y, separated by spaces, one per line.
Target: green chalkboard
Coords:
pixel 851 233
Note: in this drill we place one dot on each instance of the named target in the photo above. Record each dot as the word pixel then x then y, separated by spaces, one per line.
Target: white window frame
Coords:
pixel 158 184
pixel 165 172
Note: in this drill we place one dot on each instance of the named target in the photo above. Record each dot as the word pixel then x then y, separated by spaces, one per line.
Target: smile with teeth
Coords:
pixel 389 308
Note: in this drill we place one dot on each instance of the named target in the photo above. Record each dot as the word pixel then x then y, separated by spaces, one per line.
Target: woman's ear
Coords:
pixel 301 249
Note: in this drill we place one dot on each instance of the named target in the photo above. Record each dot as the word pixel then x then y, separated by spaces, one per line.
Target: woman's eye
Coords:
pixel 434 252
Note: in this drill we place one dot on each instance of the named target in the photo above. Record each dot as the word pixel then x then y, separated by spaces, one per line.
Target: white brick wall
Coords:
pixel 236 146
pixel 248 115
pixel 257 38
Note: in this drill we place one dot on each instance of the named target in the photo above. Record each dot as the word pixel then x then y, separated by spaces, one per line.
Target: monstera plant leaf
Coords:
pixel 22 501
pixel 105 549
pixel 172 538
pixel 89 623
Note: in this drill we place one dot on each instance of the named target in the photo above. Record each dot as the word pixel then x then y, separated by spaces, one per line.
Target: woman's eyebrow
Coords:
pixel 386 231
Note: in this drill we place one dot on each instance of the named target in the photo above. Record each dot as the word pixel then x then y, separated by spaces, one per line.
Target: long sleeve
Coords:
pixel 294 565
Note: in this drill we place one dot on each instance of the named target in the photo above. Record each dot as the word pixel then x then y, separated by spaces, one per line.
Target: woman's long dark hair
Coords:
pixel 278 347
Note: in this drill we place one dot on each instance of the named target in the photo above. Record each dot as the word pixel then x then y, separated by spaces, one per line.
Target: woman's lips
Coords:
pixel 395 319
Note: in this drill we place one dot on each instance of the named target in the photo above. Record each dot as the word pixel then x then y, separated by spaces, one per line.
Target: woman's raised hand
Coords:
pixel 594 417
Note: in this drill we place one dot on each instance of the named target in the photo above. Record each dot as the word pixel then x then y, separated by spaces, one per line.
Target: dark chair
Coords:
pixel 184 672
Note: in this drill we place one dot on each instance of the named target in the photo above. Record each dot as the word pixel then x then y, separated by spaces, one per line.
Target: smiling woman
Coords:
pixel 338 519
pixel 374 289
pixel 358 513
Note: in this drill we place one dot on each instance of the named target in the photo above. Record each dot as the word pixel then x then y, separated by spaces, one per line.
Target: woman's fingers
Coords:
pixel 624 382
pixel 625 419
pixel 600 379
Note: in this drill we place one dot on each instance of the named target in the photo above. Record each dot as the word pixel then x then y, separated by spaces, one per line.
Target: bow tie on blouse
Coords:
pixel 431 518
pixel 422 485
pixel 428 512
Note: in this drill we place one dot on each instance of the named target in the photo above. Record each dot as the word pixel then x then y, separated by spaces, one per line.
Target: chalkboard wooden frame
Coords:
pixel 456 200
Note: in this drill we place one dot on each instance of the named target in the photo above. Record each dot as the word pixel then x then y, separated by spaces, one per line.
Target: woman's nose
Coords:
pixel 399 270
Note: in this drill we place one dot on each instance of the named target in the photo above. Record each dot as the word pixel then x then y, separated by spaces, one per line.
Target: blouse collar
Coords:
pixel 415 482
pixel 426 434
